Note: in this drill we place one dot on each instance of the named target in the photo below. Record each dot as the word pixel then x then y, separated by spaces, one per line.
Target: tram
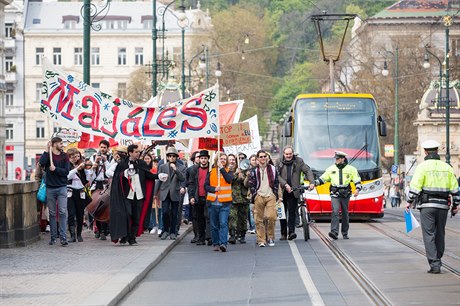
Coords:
pixel 320 124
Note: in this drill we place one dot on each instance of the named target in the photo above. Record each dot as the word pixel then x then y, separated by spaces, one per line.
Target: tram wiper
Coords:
pixel 364 148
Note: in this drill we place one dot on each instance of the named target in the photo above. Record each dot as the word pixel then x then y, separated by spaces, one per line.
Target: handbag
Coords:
pixel 281 214
pixel 41 194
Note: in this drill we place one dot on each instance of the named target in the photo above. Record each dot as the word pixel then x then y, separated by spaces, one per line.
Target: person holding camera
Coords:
pixel 127 196
pixel 101 163
pixel 340 175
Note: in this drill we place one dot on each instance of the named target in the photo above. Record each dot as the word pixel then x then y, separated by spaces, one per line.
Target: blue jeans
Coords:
pixel 153 220
pixel 252 223
pixel 57 196
pixel 218 215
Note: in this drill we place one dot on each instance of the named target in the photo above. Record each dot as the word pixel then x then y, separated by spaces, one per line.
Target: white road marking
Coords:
pixel 305 276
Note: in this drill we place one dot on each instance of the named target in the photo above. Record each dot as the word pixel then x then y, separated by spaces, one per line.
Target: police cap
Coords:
pixel 340 154
pixel 430 144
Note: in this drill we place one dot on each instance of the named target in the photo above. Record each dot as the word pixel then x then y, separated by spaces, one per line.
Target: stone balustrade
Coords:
pixel 18 213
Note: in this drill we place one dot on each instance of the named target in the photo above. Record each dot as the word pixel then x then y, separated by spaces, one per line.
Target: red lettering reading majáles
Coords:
pixel 66 93
pixel 90 119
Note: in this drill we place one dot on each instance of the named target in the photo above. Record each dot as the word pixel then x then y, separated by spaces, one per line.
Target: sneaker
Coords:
pixel 102 236
pixel 194 240
pixel 216 248
pixel 223 248
pixel 434 270
pixel 271 243
pixel 64 242
pixel 232 240
pixel 154 230
pixel 172 236
pixel 209 242
pixel 164 235
pixel 97 235
pixel 159 232
pixel 200 242
pixel 123 240
pixel 292 236
pixel 242 240
pixel 261 245
pixel 252 231
pixel 345 236
pixel 79 238
pixel 47 229
pixel 333 235
pixel 52 242
pixel 132 242
pixel 283 237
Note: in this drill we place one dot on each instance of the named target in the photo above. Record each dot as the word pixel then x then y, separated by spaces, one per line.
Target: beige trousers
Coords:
pixel 265 208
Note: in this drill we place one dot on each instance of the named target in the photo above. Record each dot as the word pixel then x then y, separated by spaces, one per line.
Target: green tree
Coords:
pixel 300 80
pixel 139 89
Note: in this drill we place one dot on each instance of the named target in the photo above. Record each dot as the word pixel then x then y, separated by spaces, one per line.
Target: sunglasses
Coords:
pixel 171 155
pixel 263 156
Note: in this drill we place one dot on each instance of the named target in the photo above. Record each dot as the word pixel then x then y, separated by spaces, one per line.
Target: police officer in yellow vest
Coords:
pixel 430 187
pixel 341 174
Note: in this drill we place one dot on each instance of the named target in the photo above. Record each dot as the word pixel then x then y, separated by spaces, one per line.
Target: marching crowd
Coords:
pixel 225 195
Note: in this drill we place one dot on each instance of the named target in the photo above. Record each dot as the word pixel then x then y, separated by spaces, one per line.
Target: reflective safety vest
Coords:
pixel 225 193
pixel 341 178
pixel 436 179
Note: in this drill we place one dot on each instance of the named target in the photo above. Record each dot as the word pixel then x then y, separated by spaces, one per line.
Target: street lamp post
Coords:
pixel 448 20
pixel 396 77
pixel 182 22
pixel 154 48
pixel 90 13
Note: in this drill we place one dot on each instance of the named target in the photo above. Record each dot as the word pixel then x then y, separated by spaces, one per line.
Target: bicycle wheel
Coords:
pixel 305 223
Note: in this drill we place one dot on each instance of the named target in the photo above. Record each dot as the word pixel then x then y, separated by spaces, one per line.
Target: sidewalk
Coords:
pixel 92 272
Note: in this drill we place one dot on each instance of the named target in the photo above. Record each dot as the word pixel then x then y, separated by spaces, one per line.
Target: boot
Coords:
pixel 232 239
pixel 79 237
pixel 72 234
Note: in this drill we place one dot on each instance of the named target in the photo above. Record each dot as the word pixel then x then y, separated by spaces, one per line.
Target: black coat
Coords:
pixel 120 210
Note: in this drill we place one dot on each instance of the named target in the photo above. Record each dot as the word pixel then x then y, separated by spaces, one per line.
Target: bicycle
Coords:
pixel 303 212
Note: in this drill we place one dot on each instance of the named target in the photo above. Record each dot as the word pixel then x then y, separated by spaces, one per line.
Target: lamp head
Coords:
pixel 426 61
pixel 385 69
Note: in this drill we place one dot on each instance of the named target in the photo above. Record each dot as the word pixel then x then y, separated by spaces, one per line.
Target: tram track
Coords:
pixel 417 249
pixel 371 290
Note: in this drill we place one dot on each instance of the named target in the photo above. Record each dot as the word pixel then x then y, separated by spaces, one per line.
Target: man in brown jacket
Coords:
pixel 289 169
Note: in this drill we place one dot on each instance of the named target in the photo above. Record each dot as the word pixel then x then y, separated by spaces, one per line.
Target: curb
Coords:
pixel 124 281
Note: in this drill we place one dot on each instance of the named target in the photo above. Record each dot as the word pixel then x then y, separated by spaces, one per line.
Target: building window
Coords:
pixel 40 129
pixel 56 128
pixel 9 131
pixel 139 56
pixel 57 56
pixel 8 63
pixel 147 24
pixel 110 24
pixel 9 98
pixel 122 24
pixel 96 85
pixel 38 92
pixel 95 57
pixel 122 90
pixel 78 56
pixel 70 24
pixel 9 30
pixel 39 52
pixel 121 56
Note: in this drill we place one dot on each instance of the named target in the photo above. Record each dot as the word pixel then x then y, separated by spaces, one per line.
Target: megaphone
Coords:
pixel 244 164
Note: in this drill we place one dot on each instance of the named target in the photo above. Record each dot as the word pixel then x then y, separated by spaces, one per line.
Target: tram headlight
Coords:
pixel 374 186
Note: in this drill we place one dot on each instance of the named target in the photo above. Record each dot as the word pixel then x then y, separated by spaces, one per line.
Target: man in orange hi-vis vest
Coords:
pixel 219 199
